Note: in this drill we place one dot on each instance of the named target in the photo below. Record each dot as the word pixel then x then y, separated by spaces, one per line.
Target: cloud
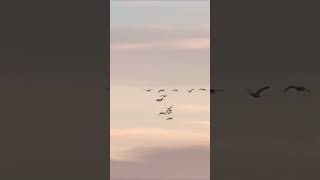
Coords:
pixel 134 46
pixel 191 43
pixel 139 54
pixel 159 36
pixel 124 140
pixel 191 162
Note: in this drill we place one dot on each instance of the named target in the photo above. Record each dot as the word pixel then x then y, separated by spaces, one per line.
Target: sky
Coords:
pixel 160 45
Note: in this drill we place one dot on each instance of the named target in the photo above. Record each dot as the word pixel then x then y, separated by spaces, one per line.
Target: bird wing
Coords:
pixel 262 89
pixel 289 87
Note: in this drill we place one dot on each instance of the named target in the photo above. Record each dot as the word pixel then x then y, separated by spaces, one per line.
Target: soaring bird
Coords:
pixel 164 96
pixel 176 90
pixel 298 88
pixel 161 90
pixel 170 118
pixel 162 113
pixel 148 90
pixel 190 91
pixel 258 93
pixel 213 91
pixel 159 100
pixel 202 89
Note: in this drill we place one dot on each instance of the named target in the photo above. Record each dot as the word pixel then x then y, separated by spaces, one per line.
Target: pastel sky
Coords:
pixel 160 44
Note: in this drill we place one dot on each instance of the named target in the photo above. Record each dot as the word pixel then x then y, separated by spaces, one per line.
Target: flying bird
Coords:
pixel 161 90
pixel 298 88
pixel 148 90
pixel 190 91
pixel 202 89
pixel 170 118
pixel 164 96
pixel 176 90
pixel 159 100
pixel 169 111
pixel 258 93
pixel 213 91
pixel 162 113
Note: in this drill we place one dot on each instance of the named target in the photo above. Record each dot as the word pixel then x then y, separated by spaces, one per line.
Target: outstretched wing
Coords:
pixel 289 87
pixel 262 89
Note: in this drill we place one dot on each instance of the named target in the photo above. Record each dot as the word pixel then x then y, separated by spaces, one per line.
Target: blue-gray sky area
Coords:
pixel 160 44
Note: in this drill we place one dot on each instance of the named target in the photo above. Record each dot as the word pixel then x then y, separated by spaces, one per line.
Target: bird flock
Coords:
pixel 162 96
pixel 255 94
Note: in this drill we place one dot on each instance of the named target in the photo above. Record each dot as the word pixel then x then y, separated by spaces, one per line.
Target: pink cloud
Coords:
pixel 191 43
pixel 176 163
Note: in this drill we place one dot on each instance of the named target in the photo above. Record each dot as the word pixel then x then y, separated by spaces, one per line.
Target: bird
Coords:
pixel 298 88
pixel 169 111
pixel 170 118
pixel 148 90
pixel 190 91
pixel 258 93
pixel 162 113
pixel 213 91
pixel 159 100
pixel 202 89
pixel 161 90
pixel 163 95
pixel 175 90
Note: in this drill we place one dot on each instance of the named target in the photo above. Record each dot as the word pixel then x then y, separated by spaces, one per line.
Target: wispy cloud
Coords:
pixel 187 44
pixel 192 162
pixel 158 36
pixel 134 46
pixel 124 140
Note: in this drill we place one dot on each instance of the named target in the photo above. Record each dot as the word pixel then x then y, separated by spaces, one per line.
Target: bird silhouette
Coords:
pixel 148 90
pixel 202 89
pixel 213 91
pixel 162 113
pixel 258 93
pixel 176 90
pixel 169 111
pixel 190 91
pixel 159 100
pixel 164 96
pixel 170 118
pixel 161 90
pixel 298 88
